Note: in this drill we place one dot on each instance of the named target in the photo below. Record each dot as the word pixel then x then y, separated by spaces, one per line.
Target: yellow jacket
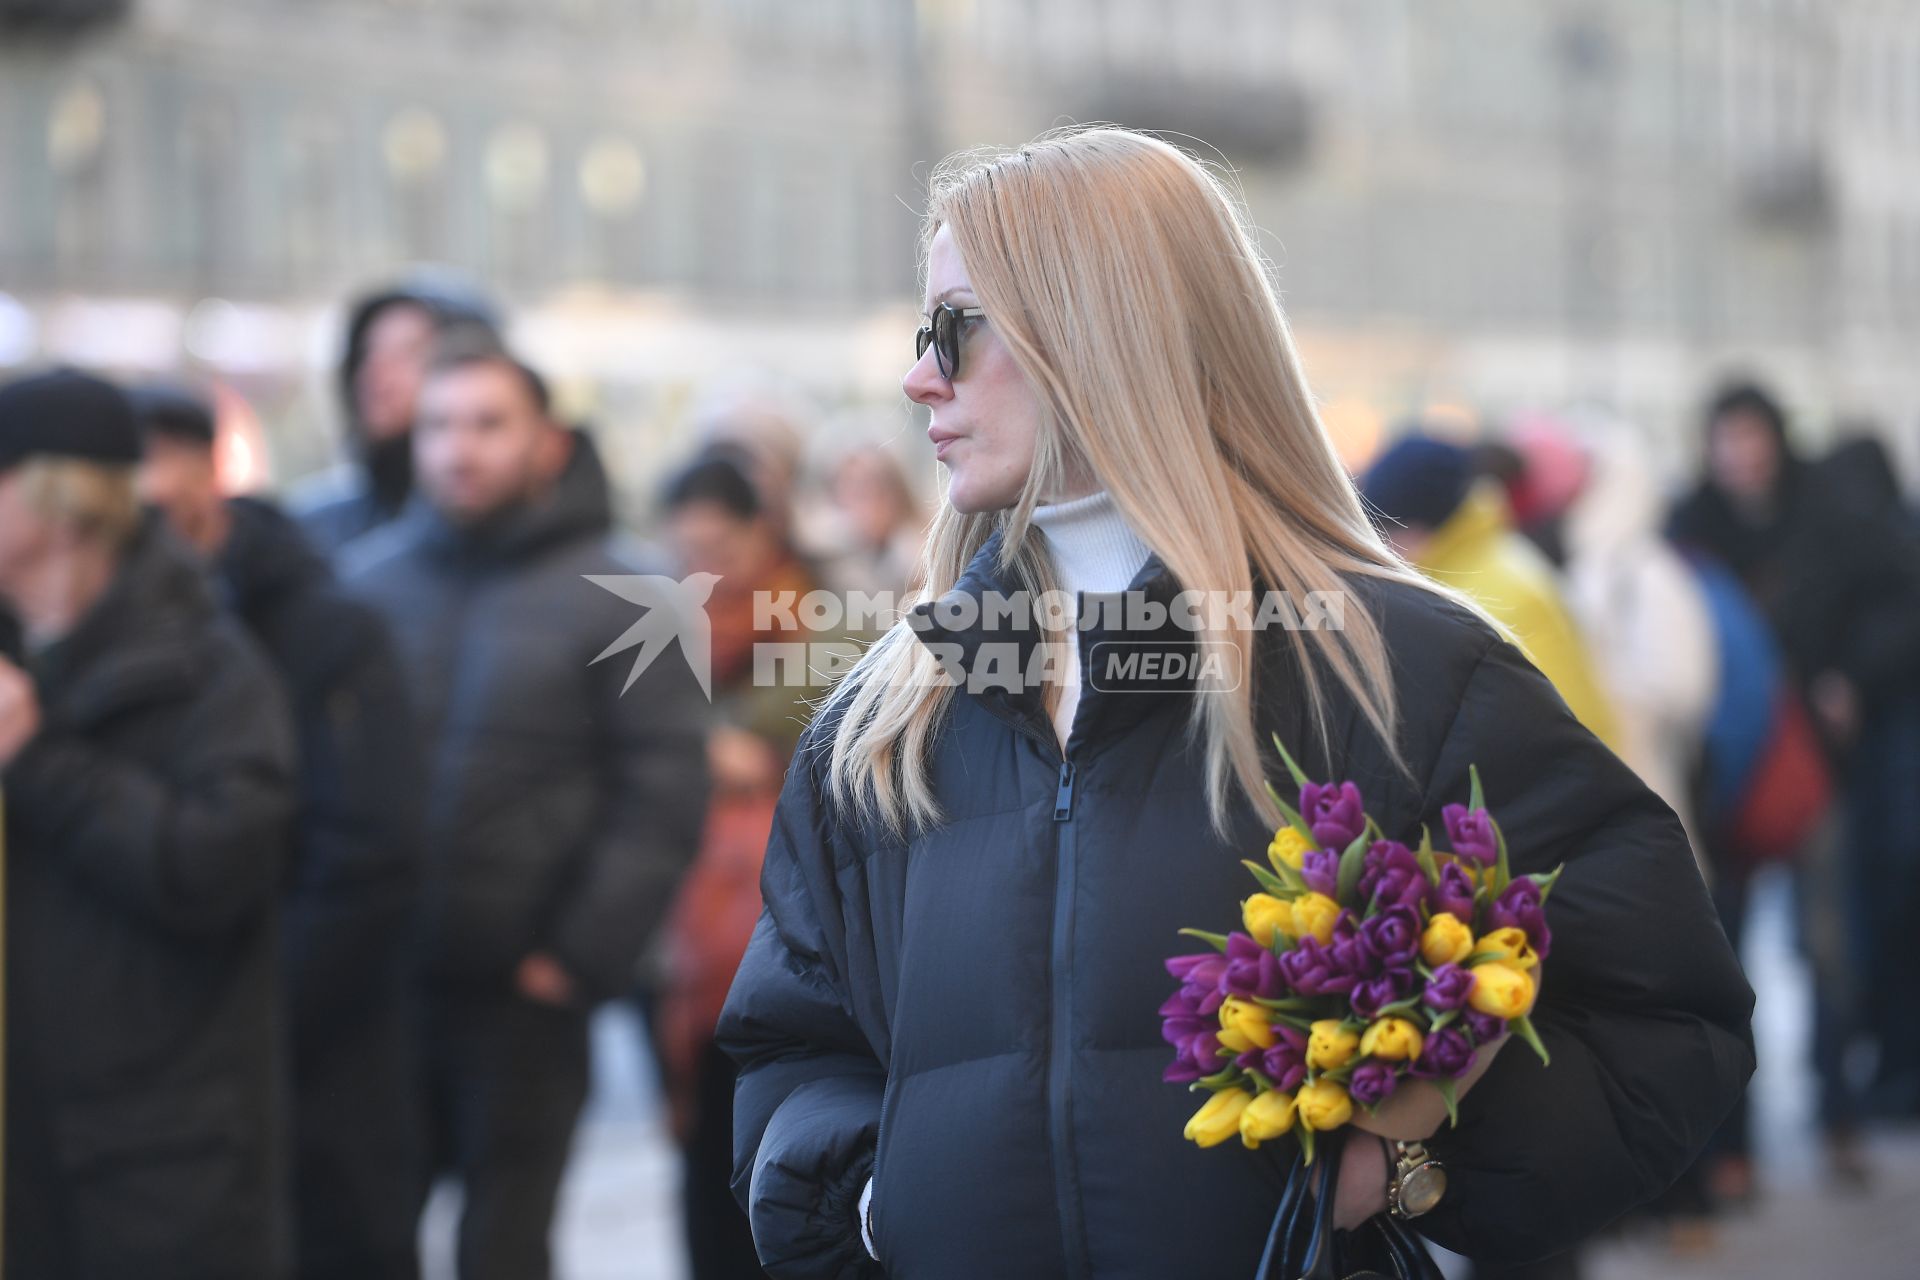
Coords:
pixel 1478 553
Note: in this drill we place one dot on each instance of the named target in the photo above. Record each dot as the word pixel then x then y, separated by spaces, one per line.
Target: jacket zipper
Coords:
pixel 873 1175
pixel 1066 1172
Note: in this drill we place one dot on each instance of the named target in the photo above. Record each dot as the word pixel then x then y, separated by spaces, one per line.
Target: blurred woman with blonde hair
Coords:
pixel 946 1021
pixel 147 757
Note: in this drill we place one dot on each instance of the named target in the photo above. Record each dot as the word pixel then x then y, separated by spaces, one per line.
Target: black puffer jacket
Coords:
pixel 560 811
pixel 979 1002
pixel 146 835
pixel 349 923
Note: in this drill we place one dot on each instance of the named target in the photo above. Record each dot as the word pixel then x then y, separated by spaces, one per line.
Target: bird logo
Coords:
pixel 674 609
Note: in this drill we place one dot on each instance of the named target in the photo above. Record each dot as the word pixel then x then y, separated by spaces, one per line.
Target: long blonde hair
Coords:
pixel 1122 278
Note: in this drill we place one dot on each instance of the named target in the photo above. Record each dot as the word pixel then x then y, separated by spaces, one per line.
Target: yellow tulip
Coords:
pixel 1244 1025
pixel 1219 1119
pixel 1501 990
pixel 1314 915
pixel 1392 1040
pixel 1267 1117
pixel 1323 1105
pixel 1331 1045
pixel 1265 914
pixel 1510 946
pixel 1446 941
pixel 1289 848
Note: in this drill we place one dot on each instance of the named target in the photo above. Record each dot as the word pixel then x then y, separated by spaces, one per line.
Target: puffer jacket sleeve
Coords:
pixel 195 846
pixel 654 788
pixel 807 1107
pixel 1642 1005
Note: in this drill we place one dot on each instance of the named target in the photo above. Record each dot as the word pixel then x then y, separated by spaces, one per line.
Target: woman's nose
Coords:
pixel 924 383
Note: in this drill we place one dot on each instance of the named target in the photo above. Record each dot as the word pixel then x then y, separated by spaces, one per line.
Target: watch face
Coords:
pixel 1421 1190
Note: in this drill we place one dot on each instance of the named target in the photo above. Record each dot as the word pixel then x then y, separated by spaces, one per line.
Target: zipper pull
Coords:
pixel 1063 797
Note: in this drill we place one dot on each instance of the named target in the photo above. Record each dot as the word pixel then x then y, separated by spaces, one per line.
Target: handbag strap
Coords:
pixel 1306 1208
pixel 1304 1245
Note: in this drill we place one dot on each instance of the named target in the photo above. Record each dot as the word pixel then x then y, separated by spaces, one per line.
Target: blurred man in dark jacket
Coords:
pixel 358 1154
pixel 560 812
pixel 147 762
pixel 392 335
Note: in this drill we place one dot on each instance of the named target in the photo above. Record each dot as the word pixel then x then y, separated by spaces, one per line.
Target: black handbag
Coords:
pixel 1304 1245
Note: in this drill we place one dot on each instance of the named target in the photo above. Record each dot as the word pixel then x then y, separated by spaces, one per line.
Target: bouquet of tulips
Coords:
pixel 1361 963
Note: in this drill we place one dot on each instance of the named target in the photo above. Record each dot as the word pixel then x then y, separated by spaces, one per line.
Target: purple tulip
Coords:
pixel 1320 868
pixel 1454 893
pixel 1484 1026
pixel 1372 1083
pixel 1377 993
pixel 1196 1051
pixel 1311 970
pixel 1519 906
pixel 1471 833
pixel 1352 949
pixel 1191 969
pixel 1448 988
pixel 1392 871
pixel 1286 1062
pixel 1394 936
pixel 1332 812
pixel 1200 978
pixel 1445 1055
pixel 1251 970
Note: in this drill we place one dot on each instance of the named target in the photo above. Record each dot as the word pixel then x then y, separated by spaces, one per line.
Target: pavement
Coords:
pixel 618 1216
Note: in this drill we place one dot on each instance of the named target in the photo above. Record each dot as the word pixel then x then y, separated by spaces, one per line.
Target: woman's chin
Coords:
pixel 971 499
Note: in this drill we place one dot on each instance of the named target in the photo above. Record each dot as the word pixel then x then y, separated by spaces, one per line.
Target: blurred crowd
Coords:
pixel 327 828
pixel 329 823
pixel 1750 644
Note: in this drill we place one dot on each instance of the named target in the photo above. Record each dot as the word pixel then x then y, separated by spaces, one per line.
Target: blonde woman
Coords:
pixel 946 1021
pixel 146 757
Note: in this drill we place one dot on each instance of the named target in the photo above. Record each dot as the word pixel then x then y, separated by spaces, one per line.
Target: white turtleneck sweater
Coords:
pixel 1094 550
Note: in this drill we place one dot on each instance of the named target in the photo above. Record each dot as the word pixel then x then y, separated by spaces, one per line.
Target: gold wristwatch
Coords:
pixel 1415 1180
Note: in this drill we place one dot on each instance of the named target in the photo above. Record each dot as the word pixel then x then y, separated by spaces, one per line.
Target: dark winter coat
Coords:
pixel 560 811
pixel 977 1004
pixel 348 927
pixel 1837 578
pixel 146 834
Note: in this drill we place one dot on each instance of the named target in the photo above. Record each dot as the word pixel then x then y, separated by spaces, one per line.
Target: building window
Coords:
pixel 414 146
pixel 76 154
pixel 516 168
pixel 613 185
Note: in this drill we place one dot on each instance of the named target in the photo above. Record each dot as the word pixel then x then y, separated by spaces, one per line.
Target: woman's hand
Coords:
pixel 1414 1113
pixel 1416 1110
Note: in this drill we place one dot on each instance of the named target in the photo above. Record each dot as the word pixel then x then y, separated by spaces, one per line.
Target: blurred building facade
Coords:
pixel 1497 203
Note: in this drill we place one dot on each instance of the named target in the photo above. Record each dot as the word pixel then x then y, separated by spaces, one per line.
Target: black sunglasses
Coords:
pixel 942 333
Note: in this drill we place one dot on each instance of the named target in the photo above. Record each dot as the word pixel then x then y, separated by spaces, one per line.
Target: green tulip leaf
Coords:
pixel 1218 941
pixel 1523 1027
pixel 1350 865
pixel 1270 882
pixel 1502 873
pixel 1299 774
